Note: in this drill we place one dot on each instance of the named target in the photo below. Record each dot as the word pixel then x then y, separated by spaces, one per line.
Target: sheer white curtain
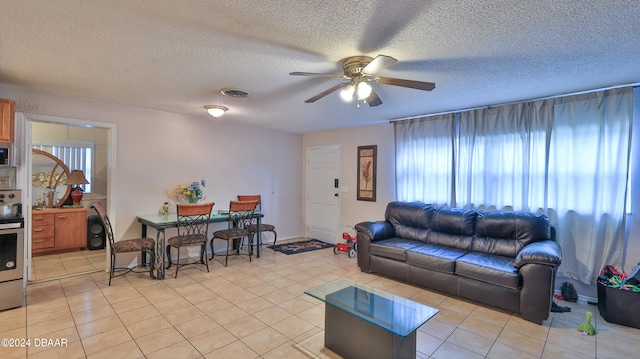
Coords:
pixel 424 159
pixel 567 157
pixel 588 169
pixel 501 158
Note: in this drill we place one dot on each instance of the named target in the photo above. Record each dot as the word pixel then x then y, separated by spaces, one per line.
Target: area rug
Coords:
pixel 300 247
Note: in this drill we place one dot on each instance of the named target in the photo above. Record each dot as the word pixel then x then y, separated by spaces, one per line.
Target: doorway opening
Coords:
pixel 37 129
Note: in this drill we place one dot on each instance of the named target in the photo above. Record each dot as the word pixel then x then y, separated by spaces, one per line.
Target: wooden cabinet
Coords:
pixel 7 109
pixel 42 235
pixel 58 230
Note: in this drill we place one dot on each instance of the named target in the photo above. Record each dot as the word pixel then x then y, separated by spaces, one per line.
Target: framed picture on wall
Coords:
pixel 367 173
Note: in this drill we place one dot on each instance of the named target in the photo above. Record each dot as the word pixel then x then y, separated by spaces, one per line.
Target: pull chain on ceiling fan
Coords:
pixel 359 70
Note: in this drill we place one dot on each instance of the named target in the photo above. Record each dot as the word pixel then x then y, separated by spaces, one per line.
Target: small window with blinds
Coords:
pixel 76 155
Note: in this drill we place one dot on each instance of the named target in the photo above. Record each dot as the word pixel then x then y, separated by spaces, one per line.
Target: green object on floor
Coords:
pixel 586 328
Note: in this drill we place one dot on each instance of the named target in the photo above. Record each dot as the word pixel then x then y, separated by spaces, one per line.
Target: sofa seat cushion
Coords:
pixel 490 268
pixel 393 248
pixel 431 256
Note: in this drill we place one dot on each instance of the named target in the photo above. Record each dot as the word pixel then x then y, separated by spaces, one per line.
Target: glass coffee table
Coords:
pixel 364 322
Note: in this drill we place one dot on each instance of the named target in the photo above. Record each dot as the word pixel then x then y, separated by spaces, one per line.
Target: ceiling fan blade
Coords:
pixel 317 75
pixel 326 92
pixel 379 63
pixel 419 85
pixel 373 99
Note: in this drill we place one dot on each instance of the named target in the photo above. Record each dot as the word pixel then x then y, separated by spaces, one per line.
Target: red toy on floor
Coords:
pixel 350 245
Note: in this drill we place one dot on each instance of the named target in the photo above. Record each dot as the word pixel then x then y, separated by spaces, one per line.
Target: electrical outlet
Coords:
pixel 5 182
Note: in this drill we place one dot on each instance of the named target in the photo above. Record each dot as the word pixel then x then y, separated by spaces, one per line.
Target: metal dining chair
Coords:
pixel 193 226
pixel 263 227
pixel 143 245
pixel 240 218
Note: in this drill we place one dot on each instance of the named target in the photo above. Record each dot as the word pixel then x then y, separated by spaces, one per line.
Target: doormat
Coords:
pixel 300 247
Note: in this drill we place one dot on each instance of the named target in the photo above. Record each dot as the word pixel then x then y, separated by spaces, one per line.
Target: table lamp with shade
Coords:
pixel 75 178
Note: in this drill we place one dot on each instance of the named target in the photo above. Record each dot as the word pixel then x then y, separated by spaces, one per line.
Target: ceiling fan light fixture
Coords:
pixel 347 92
pixel 360 70
pixel 364 90
pixel 215 110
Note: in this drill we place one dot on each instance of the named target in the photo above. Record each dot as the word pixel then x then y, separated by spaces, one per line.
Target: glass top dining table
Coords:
pixel 162 221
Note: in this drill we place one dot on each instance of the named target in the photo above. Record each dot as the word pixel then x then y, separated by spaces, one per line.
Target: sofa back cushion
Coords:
pixel 452 227
pixel 506 233
pixel 411 220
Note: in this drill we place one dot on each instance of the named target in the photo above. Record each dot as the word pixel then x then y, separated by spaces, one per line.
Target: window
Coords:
pixel 567 157
pixel 75 155
pixel 424 163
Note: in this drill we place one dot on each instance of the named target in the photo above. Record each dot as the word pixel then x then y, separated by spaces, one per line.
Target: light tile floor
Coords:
pixel 258 310
pixel 60 265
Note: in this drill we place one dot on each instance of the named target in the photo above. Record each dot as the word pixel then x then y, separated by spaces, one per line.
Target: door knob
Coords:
pixel 335 194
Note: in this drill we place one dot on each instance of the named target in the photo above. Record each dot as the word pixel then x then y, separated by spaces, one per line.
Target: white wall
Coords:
pixel 156 150
pixel 354 211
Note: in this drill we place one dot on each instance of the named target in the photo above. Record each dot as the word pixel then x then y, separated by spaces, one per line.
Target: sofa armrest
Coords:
pixel 369 232
pixel 544 252
pixel 375 231
pixel 537 264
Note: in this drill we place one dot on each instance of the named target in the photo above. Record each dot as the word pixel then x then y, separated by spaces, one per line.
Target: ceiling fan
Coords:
pixel 360 70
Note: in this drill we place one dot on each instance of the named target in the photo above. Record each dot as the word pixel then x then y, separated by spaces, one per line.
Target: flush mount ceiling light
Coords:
pixel 215 110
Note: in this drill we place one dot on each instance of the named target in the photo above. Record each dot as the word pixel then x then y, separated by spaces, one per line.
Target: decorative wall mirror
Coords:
pixel 49 173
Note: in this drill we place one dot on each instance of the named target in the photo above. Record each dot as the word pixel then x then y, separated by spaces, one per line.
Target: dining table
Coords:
pixel 162 221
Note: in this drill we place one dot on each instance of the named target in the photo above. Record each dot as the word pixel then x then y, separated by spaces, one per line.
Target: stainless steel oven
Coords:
pixel 11 250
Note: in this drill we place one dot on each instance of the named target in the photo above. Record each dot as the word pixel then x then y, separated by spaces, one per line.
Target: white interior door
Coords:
pixel 323 194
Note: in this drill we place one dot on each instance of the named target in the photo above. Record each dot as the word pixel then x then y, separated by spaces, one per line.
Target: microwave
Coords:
pixel 6 154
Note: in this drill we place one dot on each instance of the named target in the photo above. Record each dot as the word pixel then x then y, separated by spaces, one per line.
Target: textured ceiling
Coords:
pixel 176 55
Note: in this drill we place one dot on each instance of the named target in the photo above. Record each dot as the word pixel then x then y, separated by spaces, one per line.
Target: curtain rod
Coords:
pixel 515 102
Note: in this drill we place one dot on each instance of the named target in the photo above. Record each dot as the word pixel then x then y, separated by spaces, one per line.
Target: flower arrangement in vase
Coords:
pixel 190 193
